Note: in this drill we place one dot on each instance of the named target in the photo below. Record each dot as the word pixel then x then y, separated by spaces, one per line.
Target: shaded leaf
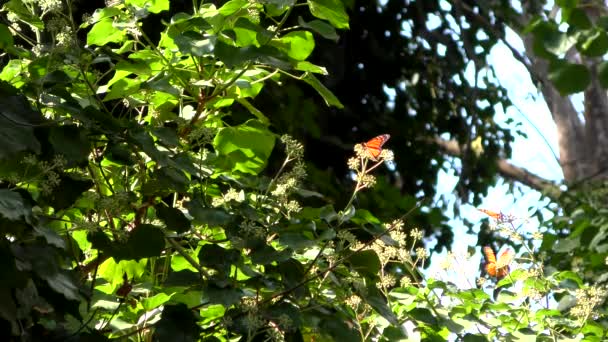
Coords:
pixel 178 324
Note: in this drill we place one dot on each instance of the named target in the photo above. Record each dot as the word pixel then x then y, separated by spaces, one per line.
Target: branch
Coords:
pixel 507 170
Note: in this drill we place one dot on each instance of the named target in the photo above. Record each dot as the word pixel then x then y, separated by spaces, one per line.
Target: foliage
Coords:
pixel 134 202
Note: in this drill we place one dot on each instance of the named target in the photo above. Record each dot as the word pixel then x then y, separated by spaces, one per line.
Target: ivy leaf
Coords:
pixel 366 263
pixel 218 258
pixel 16 7
pixel 6 38
pixel 70 141
pixel 104 32
pixel 209 216
pixel 245 148
pixel 16 123
pixel 144 241
pixel 319 26
pixel 173 218
pixel 178 324
pixel 298 44
pixel 70 188
pixel 569 78
pixel 152 6
pixel 12 206
pixel 326 94
pixel 330 10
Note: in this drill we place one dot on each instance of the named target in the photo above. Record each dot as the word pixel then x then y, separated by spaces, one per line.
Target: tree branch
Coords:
pixel 507 170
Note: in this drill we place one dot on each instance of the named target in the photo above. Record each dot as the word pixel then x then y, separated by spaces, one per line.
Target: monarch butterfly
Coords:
pixel 498 268
pixel 492 214
pixel 374 146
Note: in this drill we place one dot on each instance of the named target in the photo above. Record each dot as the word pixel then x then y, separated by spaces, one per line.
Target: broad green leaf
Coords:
pixel 227 296
pixel 6 38
pixel 209 216
pixel 267 255
pixel 71 188
pixel 566 245
pixel 173 218
pixel 12 206
pixel 569 78
pixel 65 285
pixel 232 6
pixel 177 323
pixel 104 32
pixel 319 26
pixel 72 142
pixel 307 66
pixel 155 301
pixel 595 44
pixel 244 148
pixel 328 96
pixel 259 115
pixel 16 123
pixel 23 13
pixel 423 315
pixel 246 32
pixel 372 296
pixel 144 241
pixel 298 44
pixel 152 6
pixel 330 10
pixel 218 258
pixel 366 263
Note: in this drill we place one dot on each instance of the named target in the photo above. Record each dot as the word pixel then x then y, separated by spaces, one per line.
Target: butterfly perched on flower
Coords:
pixel 498 268
pixel 492 214
pixel 373 147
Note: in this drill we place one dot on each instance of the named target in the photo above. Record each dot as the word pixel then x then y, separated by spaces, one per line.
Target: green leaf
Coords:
pixel 324 29
pixel 144 241
pixel 245 148
pixel 366 263
pixel 423 315
pixel 566 245
pixel 72 142
pixel 569 78
pixel 70 188
pixel 595 45
pixel 307 66
pixel 259 115
pixel 173 218
pixel 210 216
pixel 298 44
pixel 12 206
pixel 23 13
pixel 232 6
pixel 218 258
pixel 17 123
pixel 152 6
pixel 63 284
pixel 267 255
pixel 177 323
pixel 328 96
pixel 226 296
pixel 104 32
pixel 376 300
pixel 6 38
pixel 330 10
pixel 155 301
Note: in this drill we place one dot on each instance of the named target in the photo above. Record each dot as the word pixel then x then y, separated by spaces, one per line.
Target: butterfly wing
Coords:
pixel 374 146
pixel 502 264
pixel 490 261
pixel 492 214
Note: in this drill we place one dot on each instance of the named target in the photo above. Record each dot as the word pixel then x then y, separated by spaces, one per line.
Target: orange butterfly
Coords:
pixel 498 268
pixel 374 146
pixel 492 214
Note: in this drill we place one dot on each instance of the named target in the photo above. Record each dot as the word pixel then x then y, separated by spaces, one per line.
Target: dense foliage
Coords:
pixel 144 196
